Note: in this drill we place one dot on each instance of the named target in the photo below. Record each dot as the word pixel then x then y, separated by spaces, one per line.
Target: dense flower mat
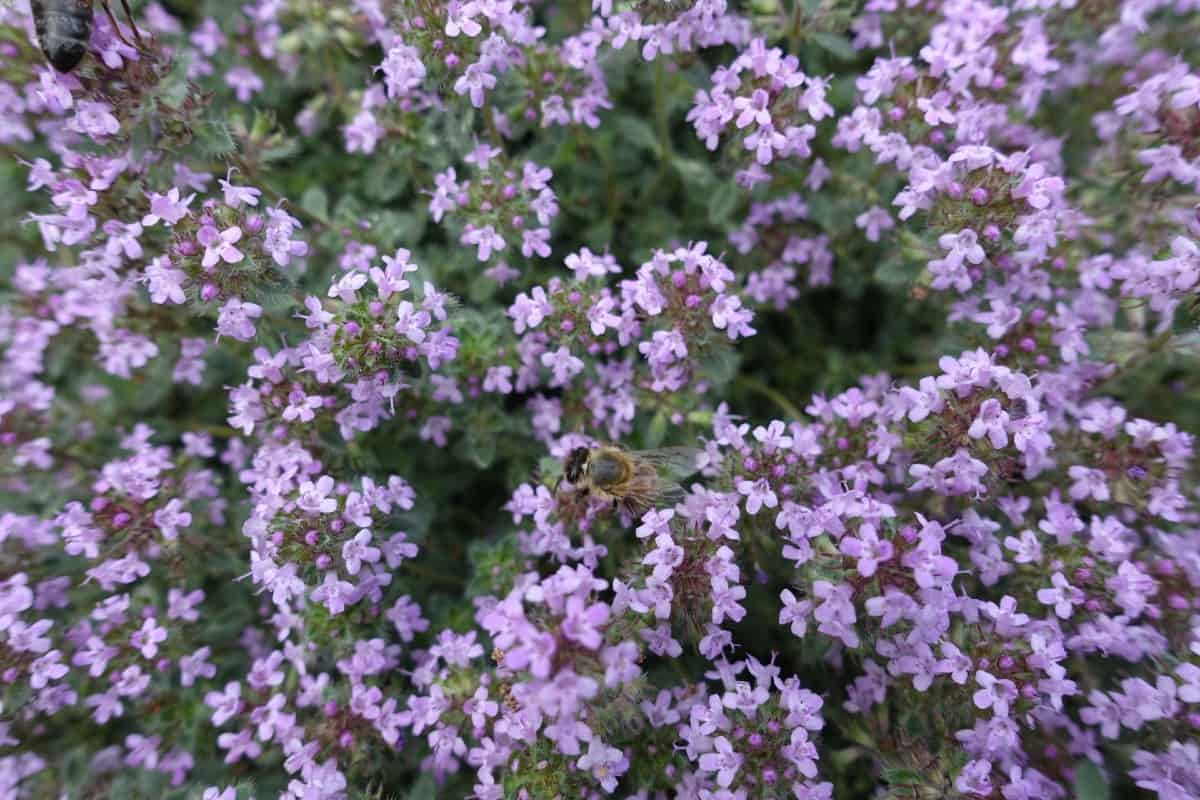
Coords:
pixel 334 333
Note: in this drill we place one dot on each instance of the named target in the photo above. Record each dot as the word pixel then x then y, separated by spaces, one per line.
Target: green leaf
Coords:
pixel 275 299
pixel 385 184
pixel 894 273
pixel 723 202
pixel 214 139
pixel 636 131
pixel 1090 783
pixel 146 130
pixel 423 789
pixel 721 363
pixel 397 229
pixel 657 430
pixel 903 777
pixel 480 441
pixel 279 152
pixel 835 44
pixel 599 235
pixel 316 202
pixel 695 173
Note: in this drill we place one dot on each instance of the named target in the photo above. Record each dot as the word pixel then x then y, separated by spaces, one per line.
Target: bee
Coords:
pixel 633 480
pixel 64 28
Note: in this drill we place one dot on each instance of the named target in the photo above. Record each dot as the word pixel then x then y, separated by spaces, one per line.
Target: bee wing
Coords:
pixel 674 462
pixel 647 490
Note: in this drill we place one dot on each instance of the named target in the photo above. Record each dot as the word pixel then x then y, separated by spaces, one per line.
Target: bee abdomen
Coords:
pixel 604 470
pixel 64 28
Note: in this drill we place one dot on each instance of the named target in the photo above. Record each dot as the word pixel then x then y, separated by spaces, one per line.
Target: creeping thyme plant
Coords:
pixel 303 304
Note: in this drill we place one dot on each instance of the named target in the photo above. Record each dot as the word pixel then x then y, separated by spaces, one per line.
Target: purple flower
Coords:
pixel 402 69
pixel 794 612
pixel 47 668
pixel 147 639
pixel 196 666
pixel 358 550
pixel 225 704
pixel 975 778
pixel 335 594
pixel 563 366
pixel 474 82
pixel 581 623
pixel 724 761
pixel 363 133
pixel 1063 596
pixel 235 319
pixel 142 751
pixel 314 496
pixel 235 196
pixel 220 246
pixel 725 599
pixel 836 613
pixel 29 638
pixel 1088 483
pixel 486 240
pixel 758 494
pixel 994 693
pixel 95 119
pixel 171 517
pixel 240 745
pixel 868 548
pixel 167 208
pixel 164 282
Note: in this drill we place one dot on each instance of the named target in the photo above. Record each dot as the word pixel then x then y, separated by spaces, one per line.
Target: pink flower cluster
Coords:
pixel 972 572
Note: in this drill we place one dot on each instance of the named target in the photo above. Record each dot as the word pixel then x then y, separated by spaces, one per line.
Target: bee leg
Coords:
pixel 113 21
pixel 136 34
pixel 615 503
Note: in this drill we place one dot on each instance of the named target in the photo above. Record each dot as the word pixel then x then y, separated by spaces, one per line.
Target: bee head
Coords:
pixel 576 465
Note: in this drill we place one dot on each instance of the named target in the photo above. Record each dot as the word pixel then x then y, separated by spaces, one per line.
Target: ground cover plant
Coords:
pixel 306 307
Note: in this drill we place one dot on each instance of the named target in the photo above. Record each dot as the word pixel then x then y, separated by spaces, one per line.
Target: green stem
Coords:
pixel 490 121
pixel 223 431
pixel 758 387
pixel 794 29
pixel 660 112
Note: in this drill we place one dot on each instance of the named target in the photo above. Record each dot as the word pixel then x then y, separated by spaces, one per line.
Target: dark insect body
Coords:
pixel 64 29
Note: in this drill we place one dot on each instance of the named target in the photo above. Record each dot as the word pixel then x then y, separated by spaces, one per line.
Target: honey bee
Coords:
pixel 64 28
pixel 633 480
